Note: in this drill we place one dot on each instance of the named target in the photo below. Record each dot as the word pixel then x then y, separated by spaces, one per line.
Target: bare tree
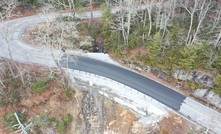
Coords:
pixel 216 25
pixel 217 19
pixel 91 8
pixel 217 40
pixel 128 10
pixel 191 11
pixel 168 13
pixel 203 11
pixel 57 36
pixel 3 68
pixel 173 7
pixel 149 5
pixel 69 5
pixel 6 14
pixel 159 17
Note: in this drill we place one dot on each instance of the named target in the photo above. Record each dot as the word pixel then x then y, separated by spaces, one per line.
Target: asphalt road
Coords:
pixel 12 46
pixel 143 84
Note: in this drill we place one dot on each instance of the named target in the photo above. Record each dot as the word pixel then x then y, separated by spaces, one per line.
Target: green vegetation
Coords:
pixel 69 92
pixel 10 81
pixel 31 2
pixel 44 121
pixel 217 89
pixel 92 29
pixel 11 94
pixel 64 123
pixel 68 19
pixel 168 51
pixel 10 120
pixel 62 127
pixel 39 87
pixel 154 50
pixel 192 85
pixel 67 119
pixel 82 3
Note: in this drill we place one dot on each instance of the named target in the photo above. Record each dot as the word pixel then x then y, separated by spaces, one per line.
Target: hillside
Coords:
pixel 176 43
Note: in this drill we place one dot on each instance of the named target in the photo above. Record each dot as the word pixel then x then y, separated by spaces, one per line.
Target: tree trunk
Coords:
pixel 217 40
pixel 91 7
pixel 192 13
pixel 149 9
pixel 203 12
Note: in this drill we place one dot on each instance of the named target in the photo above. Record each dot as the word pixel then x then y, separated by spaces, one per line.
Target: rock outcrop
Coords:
pixel 209 95
pixel 205 80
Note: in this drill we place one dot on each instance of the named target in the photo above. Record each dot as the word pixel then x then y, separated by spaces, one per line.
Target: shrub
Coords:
pixel 192 85
pixel 11 121
pixel 69 92
pixel 10 81
pixel 44 121
pixel 62 127
pixel 52 120
pixel 217 90
pixel 134 41
pixel 67 119
pixel 3 101
pixel 39 87
pixel 31 2
pixel 67 18
pixel 11 97
pixel 15 98
pixel 218 80
pixel 64 123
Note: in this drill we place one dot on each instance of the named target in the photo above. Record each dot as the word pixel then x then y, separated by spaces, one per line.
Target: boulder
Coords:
pixel 200 92
pixel 181 75
pixel 194 76
pixel 147 69
pixel 205 80
pixel 208 95
pixel 213 98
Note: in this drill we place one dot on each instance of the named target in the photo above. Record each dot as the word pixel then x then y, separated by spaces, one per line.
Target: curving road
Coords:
pixel 12 46
pixel 147 86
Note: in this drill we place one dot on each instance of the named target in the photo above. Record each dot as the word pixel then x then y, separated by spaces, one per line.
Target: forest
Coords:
pixel 173 34
pixel 166 35
pixel 169 34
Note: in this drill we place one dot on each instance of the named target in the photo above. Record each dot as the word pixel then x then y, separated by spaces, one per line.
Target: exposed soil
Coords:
pixel 31 39
pixel 53 102
pixel 92 113
pixel 176 125
pixel 108 116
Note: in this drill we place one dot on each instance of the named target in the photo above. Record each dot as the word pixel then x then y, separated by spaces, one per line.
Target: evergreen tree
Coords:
pixel 188 57
pixel 172 57
pixel 217 89
pixel 217 63
pixel 106 22
pixel 154 50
